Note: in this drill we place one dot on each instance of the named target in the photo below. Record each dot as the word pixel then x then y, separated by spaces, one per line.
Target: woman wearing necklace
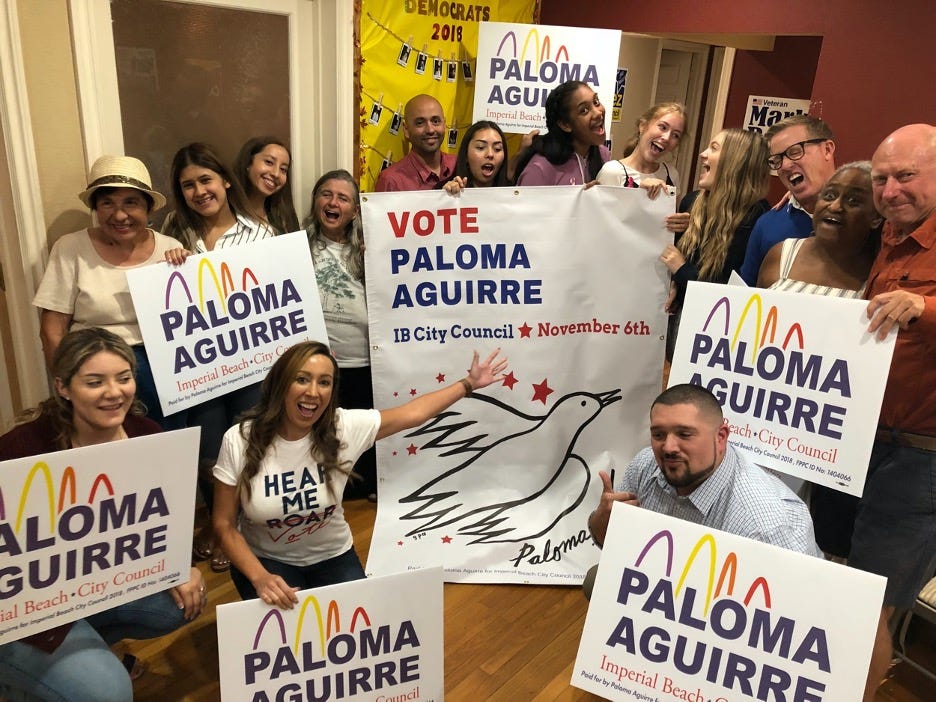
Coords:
pixel 93 403
pixel 573 150
pixel 85 283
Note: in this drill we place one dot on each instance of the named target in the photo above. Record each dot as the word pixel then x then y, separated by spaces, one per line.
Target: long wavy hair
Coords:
pixel 653 113
pixel 259 425
pixel 279 208
pixel 185 224
pixel 73 351
pixel 556 145
pixel 740 181
pixel 354 233
pixel 461 161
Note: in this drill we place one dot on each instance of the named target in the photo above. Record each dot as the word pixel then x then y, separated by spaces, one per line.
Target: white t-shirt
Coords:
pixel 344 306
pixel 294 514
pixel 95 293
pixel 616 173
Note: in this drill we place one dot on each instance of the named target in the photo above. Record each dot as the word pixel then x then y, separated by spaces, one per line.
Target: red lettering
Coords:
pixel 399 226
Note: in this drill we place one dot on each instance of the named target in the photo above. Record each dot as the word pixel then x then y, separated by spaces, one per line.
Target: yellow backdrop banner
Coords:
pixel 410 47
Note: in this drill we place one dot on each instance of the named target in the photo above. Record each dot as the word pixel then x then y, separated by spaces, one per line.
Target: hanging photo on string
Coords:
pixel 421 60
pixel 387 162
pixel 452 71
pixel 467 73
pixel 452 138
pixel 375 112
pixel 396 121
pixel 403 56
pixel 437 68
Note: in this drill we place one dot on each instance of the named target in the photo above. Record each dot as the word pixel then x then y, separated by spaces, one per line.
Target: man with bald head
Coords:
pixel 895 527
pixel 425 166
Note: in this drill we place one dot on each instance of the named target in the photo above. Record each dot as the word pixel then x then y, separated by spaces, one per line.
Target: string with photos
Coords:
pixel 372 117
pixel 450 74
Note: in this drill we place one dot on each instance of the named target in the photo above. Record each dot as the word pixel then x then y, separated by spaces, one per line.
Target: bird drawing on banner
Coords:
pixel 531 499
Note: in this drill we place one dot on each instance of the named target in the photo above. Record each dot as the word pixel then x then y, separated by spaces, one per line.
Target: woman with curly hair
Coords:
pixel 573 150
pixel 262 168
pixel 722 213
pixel 281 472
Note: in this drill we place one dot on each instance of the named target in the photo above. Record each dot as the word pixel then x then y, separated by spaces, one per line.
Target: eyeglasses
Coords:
pixel 794 152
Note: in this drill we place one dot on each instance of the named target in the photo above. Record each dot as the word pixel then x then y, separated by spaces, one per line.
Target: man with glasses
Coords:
pixel 802 153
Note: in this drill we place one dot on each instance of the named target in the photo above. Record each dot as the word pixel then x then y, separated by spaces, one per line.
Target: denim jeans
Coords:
pixel 338 569
pixel 83 668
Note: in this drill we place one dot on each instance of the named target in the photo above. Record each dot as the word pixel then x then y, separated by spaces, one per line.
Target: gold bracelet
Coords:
pixel 467 385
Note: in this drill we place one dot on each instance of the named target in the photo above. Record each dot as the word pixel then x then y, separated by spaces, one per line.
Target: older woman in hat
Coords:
pixel 85 283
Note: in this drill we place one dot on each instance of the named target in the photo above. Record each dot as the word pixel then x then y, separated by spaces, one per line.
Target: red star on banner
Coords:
pixel 396 394
pixel 394 453
pixel 411 450
pixel 399 543
pixel 441 377
pixel 446 539
pixel 525 331
pixel 541 391
pixel 412 392
pixel 510 380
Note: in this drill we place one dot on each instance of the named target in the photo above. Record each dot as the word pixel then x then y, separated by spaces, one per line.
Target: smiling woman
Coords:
pixel 282 469
pixel 85 283
pixel 572 151
pixel 336 239
pixel 93 404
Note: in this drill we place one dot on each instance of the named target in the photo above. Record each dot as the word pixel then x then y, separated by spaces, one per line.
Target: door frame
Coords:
pixel 23 252
pixel 321 82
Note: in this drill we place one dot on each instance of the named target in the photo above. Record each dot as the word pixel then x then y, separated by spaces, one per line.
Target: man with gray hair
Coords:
pixel 895 526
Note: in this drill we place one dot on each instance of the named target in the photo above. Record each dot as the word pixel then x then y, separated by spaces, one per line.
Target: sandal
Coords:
pixel 219 561
pixel 203 546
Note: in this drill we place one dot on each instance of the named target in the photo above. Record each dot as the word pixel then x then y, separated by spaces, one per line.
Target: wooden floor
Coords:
pixel 502 642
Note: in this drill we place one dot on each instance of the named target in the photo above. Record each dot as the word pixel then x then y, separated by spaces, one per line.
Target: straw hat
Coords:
pixel 121 172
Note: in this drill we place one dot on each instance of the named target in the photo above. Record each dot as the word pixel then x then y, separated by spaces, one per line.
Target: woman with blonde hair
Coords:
pixel 722 213
pixel 94 402
pixel 658 132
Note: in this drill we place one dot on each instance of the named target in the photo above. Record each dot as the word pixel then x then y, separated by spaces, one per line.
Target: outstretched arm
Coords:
pixel 417 411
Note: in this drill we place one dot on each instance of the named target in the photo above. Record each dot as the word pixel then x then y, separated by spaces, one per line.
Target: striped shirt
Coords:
pixel 244 231
pixel 738 497
pixel 788 254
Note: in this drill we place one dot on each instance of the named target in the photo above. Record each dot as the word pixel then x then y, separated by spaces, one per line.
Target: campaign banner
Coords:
pixel 567 283
pixel 762 112
pixel 218 322
pixel 520 64
pixel 799 378
pixel 373 639
pixel 85 530
pixel 684 612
